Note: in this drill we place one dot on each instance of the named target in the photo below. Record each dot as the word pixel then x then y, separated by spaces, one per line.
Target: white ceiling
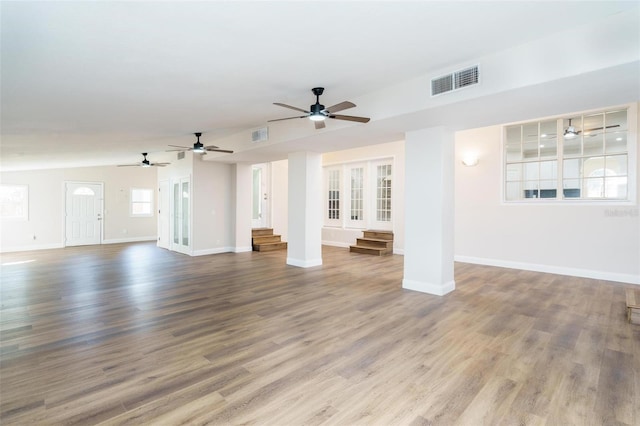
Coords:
pixel 96 83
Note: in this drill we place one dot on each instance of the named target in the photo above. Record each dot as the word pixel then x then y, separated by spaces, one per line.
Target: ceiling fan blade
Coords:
pixel 601 128
pixel 288 118
pixel 218 150
pixel 180 148
pixel 211 146
pixel 291 107
pixel 340 107
pixel 350 118
pixel 129 165
pixel 319 125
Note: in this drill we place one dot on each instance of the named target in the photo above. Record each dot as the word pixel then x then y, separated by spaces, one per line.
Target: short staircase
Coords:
pixel 378 243
pixel 263 239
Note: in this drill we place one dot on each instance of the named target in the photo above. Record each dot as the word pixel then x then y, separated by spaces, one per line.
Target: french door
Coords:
pixel 181 215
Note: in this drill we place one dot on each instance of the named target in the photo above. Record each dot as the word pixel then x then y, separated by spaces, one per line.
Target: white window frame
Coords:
pixel 331 185
pixel 150 203
pixel 349 221
pixel 632 150
pixel 24 202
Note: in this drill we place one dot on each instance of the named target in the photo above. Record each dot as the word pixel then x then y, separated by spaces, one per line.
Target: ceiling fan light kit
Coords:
pixel 318 113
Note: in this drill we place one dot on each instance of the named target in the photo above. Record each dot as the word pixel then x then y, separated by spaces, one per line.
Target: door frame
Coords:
pixel 164 198
pixel 64 206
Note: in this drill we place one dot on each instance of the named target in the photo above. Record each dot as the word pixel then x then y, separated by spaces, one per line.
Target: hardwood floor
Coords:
pixel 133 334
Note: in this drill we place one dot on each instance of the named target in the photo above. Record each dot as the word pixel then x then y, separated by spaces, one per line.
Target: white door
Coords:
pixel 181 215
pixel 260 197
pixel 83 213
pixel 164 209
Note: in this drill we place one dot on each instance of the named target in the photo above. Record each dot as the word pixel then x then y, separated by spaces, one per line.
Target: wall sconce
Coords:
pixel 470 160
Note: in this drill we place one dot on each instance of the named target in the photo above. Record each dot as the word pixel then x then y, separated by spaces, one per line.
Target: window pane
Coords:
pixel 571 169
pixel 530 133
pixel 615 187
pixel 548 170
pixel 615 142
pixel 514 172
pixel 531 171
pixel 548 129
pixel 616 121
pixel 616 165
pixel 514 152
pixel 571 188
pixel 512 191
pixel 594 187
pixel 593 124
pixel 514 135
pixel 572 147
pixel 548 148
pixel 594 145
pixel 333 208
pixel 547 189
pixel 530 150
pixel 530 189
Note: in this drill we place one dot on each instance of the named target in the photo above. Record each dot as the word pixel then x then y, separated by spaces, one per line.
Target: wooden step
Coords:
pixel 378 235
pixel 258 232
pixel 374 243
pixel 266 239
pixel 270 246
pixel 376 251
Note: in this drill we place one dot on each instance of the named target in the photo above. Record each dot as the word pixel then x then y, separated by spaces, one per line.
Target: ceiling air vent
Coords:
pixel 260 135
pixel 454 81
pixel 180 155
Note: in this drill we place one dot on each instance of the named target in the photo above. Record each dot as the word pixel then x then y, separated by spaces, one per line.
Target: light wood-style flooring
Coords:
pixel 133 334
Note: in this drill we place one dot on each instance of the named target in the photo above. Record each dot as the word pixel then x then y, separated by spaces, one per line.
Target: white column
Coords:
pixel 429 211
pixel 241 195
pixel 305 210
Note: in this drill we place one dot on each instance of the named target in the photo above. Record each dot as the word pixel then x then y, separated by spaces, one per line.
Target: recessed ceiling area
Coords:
pixel 96 83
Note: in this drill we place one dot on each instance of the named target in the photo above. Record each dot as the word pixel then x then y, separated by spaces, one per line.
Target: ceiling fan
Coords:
pixel 318 113
pixel 144 163
pixel 571 132
pixel 199 148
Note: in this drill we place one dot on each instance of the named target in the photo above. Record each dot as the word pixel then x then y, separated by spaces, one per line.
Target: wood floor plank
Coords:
pixel 133 334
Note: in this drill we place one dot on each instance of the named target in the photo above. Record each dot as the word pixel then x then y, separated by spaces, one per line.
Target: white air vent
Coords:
pixel 180 155
pixel 260 135
pixel 454 81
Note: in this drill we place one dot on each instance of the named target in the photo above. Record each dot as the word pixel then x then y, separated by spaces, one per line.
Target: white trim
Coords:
pixel 335 244
pixel 129 240
pixel 304 263
pixel 207 252
pixel 550 269
pixel 430 288
pixel 29 248
pixel 398 251
pixel 242 249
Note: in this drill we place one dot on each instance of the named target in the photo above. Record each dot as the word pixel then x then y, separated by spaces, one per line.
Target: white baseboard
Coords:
pixel 430 288
pixel 336 244
pixel 560 270
pixel 242 249
pixel 398 251
pixel 128 240
pixel 304 263
pixel 30 248
pixel 216 250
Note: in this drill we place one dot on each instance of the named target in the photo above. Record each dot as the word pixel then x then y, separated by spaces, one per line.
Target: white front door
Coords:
pixel 164 209
pixel 260 197
pixel 83 213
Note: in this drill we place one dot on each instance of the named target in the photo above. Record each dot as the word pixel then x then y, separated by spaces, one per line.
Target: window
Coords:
pixel 333 207
pixel 363 198
pixel 583 157
pixel 14 202
pixel 141 202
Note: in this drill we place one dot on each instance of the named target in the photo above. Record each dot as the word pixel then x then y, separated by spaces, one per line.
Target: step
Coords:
pixel 374 243
pixel 378 235
pixel 376 251
pixel 266 239
pixel 257 232
pixel 270 246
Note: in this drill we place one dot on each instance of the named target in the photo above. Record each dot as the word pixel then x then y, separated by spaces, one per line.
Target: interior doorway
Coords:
pixel 260 196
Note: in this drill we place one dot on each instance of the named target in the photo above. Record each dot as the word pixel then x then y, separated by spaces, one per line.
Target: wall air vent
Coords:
pixel 260 135
pixel 454 81
pixel 180 155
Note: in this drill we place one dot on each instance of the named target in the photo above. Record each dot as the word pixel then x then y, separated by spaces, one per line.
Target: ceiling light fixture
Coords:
pixel 570 132
pixel 470 160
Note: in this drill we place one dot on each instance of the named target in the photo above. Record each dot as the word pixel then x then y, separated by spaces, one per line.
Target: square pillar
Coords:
pixel 304 246
pixel 429 211
pixel 241 193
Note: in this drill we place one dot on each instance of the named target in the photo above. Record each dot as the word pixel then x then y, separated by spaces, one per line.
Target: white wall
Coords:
pixel 583 239
pixel 46 206
pixel 345 236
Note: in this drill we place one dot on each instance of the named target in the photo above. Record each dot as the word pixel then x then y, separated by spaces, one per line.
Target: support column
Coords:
pixel 429 211
pixel 242 200
pixel 305 210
